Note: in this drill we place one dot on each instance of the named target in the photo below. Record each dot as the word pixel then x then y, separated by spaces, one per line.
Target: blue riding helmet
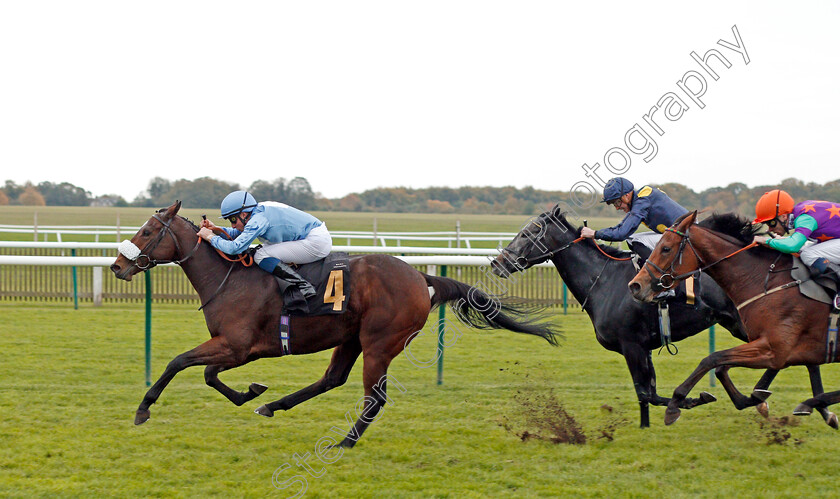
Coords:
pixel 615 188
pixel 237 202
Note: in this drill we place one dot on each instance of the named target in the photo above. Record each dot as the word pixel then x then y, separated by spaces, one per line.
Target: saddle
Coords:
pixel 331 279
pixel 821 288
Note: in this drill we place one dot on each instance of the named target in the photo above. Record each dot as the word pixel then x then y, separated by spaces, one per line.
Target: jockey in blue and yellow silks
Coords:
pixel 648 206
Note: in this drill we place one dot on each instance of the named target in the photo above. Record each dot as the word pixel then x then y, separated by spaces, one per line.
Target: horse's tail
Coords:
pixel 477 309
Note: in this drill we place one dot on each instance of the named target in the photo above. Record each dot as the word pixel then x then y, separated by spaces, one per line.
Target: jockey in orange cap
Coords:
pixel 816 231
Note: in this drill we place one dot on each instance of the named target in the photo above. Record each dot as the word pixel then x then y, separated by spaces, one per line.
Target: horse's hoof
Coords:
pixel 763 409
pixel 707 398
pixel 671 416
pixel 264 411
pixel 142 416
pixel 803 410
pixel 832 420
pixel 761 395
pixel 257 388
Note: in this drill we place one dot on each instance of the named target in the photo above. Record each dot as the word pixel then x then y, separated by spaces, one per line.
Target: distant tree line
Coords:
pixel 206 192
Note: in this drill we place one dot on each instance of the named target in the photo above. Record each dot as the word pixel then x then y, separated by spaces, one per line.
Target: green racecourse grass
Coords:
pixel 70 382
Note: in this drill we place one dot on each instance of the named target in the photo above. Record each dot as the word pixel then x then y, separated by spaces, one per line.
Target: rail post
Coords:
pixel 565 299
pixel 441 332
pixel 148 328
pixel 75 284
pixel 711 351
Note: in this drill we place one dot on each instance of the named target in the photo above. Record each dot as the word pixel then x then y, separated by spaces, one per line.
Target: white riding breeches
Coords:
pixel 649 239
pixel 316 245
pixel 829 250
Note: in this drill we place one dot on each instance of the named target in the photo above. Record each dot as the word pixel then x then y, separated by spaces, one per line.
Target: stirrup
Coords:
pixel 836 301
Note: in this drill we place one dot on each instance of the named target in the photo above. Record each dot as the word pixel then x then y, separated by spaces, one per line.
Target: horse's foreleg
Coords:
pixel 343 358
pixel 755 354
pixel 758 396
pixel 213 351
pixel 211 377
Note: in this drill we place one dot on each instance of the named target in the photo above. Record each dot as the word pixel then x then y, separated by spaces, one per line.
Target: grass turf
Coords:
pixel 71 381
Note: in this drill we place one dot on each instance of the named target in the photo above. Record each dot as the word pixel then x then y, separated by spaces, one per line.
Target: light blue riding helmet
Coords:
pixel 615 188
pixel 237 202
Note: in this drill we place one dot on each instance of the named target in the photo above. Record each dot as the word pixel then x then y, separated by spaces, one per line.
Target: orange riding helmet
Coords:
pixel 772 204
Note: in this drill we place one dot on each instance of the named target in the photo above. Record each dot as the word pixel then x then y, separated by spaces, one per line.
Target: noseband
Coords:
pixel 667 278
pixel 143 259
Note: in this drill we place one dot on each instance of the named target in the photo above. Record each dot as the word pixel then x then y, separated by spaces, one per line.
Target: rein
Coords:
pixel 142 259
pixel 670 273
pixel 687 241
pixel 550 254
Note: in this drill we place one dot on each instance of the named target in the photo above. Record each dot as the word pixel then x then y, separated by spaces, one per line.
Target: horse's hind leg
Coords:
pixel 640 363
pixel 817 391
pixel 820 401
pixel 343 358
pixel 644 380
pixel 213 351
pixel 211 377
pixel 375 380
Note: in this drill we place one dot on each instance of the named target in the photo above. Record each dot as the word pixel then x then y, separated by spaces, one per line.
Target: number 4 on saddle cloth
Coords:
pixel 331 279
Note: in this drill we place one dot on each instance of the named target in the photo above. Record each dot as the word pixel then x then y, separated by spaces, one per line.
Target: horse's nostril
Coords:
pixel 635 288
pixel 115 268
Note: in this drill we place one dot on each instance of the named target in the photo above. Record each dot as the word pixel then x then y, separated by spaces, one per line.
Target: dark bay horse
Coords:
pixel 389 303
pixel 622 324
pixel 784 328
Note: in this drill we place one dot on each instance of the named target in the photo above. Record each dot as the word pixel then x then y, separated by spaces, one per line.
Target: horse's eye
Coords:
pixel 147 232
pixel 666 249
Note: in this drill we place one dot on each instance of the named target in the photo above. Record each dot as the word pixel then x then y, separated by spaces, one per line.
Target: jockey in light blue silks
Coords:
pixel 288 236
pixel 648 205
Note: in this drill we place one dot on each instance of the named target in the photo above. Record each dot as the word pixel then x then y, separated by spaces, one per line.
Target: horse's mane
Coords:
pixel 732 225
pixel 190 222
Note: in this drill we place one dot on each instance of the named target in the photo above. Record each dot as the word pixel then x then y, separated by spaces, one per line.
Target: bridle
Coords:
pixel 533 260
pixel 668 278
pixel 144 260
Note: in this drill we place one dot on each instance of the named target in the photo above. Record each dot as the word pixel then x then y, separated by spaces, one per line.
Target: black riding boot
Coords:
pixel 296 290
pixel 824 268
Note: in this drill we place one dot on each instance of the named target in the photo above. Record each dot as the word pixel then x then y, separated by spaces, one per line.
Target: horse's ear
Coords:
pixel 173 210
pixel 692 217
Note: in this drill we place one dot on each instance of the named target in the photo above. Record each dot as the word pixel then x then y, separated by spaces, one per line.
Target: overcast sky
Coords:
pixel 358 95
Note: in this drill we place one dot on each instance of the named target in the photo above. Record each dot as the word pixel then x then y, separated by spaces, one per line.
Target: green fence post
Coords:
pixel 565 299
pixel 711 351
pixel 441 332
pixel 75 284
pixel 148 328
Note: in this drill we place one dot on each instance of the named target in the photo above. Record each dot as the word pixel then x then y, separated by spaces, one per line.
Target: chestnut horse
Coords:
pixel 389 303
pixel 784 328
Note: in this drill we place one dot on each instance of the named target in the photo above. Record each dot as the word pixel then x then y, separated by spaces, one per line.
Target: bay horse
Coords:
pixel 389 303
pixel 783 327
pixel 598 279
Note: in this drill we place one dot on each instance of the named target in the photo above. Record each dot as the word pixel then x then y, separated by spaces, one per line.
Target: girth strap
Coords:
pixel 831 338
pixel 770 292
